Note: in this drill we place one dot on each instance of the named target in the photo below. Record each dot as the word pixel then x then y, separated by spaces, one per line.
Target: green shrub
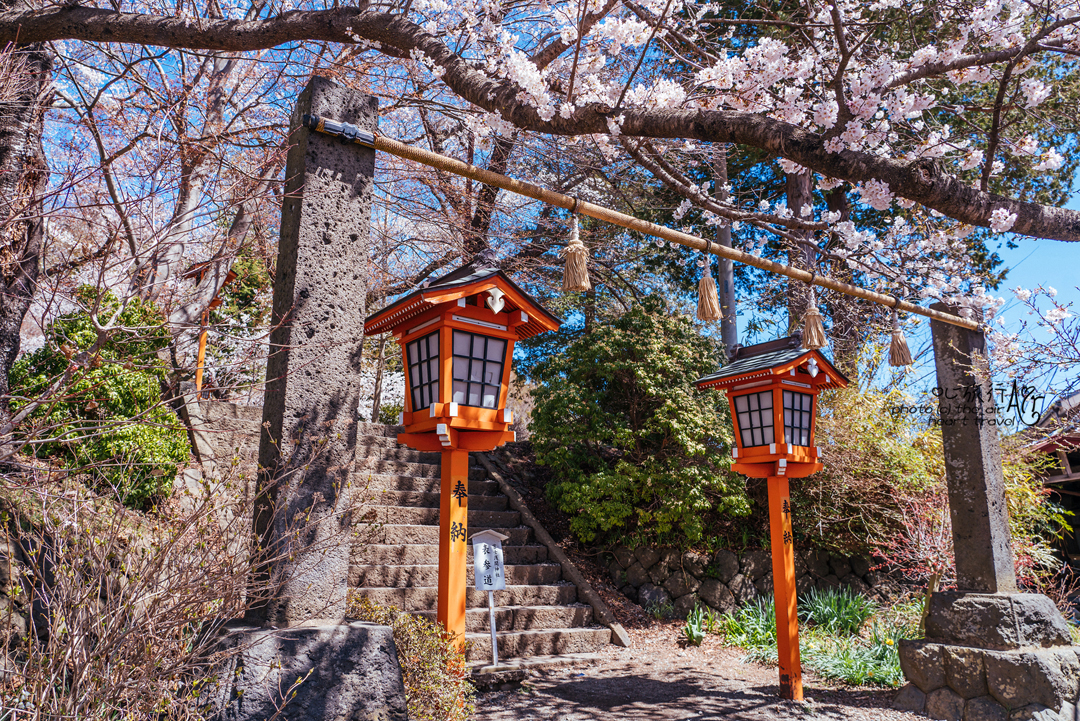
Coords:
pixel 859 662
pixel 436 678
pixel 391 414
pixel 752 628
pixel 836 610
pixel 108 415
pixel 694 630
pixel 636 451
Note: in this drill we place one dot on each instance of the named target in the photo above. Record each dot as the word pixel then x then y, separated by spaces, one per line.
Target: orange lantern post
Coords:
pixel 457 336
pixel 772 389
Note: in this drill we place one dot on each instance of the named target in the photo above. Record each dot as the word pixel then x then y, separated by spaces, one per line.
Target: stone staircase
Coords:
pixel 538 615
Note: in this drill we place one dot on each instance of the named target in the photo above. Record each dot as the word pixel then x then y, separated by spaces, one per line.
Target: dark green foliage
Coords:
pixel 636 451
pixel 107 415
pixel 836 610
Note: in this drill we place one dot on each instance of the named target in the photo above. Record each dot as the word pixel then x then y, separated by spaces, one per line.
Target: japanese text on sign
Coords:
pixel 488 566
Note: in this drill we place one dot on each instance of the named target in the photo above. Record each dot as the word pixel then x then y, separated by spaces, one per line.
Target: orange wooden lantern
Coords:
pixel 457 336
pixel 772 388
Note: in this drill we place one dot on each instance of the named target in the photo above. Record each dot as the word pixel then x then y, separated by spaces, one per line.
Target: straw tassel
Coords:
pixel 813 336
pixel 899 353
pixel 708 301
pixel 575 271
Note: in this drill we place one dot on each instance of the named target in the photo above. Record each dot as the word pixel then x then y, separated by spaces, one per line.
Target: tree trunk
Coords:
pixel 798 294
pixel 23 178
pixel 729 324
pixel 847 328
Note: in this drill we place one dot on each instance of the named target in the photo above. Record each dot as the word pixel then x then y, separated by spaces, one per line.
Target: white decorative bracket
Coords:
pixel 495 300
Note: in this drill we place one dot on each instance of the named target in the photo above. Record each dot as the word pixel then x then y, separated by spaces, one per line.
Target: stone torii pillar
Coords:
pixel 302 518
pixel 990 652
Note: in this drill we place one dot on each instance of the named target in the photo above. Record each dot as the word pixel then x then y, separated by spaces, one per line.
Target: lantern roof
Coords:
pixel 773 359
pixel 474 277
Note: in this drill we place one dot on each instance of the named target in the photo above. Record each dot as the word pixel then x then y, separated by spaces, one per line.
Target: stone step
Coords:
pixel 377 466
pixel 398 453
pixel 419 499
pixel 430 517
pixel 537 642
pixel 427 554
pixel 428 575
pixel 522 618
pixel 378 429
pixel 533 662
pixel 390 482
pixel 394 534
pixel 426 598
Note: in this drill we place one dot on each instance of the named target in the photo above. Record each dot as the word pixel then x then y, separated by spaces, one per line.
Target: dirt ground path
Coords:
pixel 657 680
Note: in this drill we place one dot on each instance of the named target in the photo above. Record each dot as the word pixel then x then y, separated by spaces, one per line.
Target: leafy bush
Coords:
pixel 436 679
pixel 391 414
pixel 836 610
pixel 106 412
pixel 636 451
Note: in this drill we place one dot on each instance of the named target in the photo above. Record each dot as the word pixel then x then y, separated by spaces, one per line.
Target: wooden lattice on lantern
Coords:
pixel 457 336
pixel 772 389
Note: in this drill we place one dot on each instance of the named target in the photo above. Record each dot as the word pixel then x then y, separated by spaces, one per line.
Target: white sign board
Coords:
pixel 488 561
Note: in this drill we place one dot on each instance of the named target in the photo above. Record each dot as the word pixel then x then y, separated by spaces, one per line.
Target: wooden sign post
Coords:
pixel 457 336
pixel 772 389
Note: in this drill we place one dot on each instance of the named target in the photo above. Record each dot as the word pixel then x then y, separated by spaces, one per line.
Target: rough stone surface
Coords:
pixel 910 698
pixel 680 583
pixel 922 664
pixel 685 604
pixel 984 708
pixel 860 566
pixel 716 595
pixel 624 556
pixel 817 563
pixel 742 589
pixel 1034 712
pixel 945 704
pixel 764 585
pixel 1069 712
pixel 827 582
pixel 972 451
pixel 313 371
pixel 647 556
pixel 726 564
pixel 630 592
pixel 659 573
pixel 637 575
pixel 855 583
pixel 650 595
pixel 804 583
pixel 755 564
pixel 1020 678
pixel 354 674
pixel 840 566
pixel 874 578
pixel 695 563
pixel 617 572
pixel 965 672
pixel 1005 621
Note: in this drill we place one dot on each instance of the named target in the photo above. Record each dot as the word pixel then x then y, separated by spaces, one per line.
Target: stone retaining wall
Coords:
pixel 656 576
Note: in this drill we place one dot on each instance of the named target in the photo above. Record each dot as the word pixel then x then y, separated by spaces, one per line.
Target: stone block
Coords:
pixel 840 566
pixel 695 563
pixel 910 698
pixel 860 565
pixel 800 564
pixel 855 583
pixel 874 578
pixel 647 556
pixel 922 664
pixel 636 575
pixel 617 572
pixel 1002 622
pixel 985 708
pixel 650 595
pixel 659 573
pixel 716 595
pixel 965 672
pixel 945 704
pixel 755 564
pixel 670 558
pixel 764 585
pixel 726 565
pixel 804 583
pixel 1034 712
pixel 1021 678
pixel 624 556
pixel 742 588
pixel 827 582
pixel 817 563
pixel 350 671
pixel 630 592
pixel 681 583
pixel 684 605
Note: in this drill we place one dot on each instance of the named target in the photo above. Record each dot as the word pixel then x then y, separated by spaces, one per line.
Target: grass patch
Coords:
pixel 845 637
